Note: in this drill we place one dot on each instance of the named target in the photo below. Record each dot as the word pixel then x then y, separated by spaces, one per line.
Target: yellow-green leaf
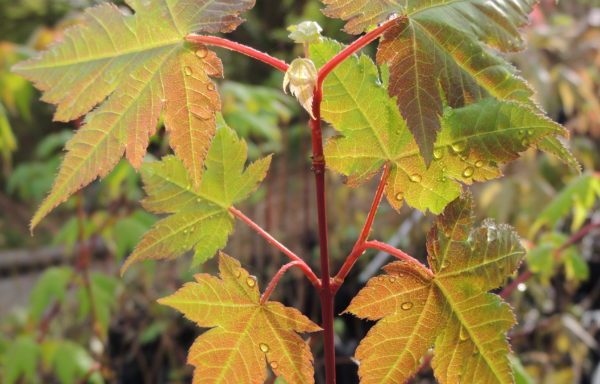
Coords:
pixel 473 141
pixel 200 218
pixel 245 334
pixel 133 67
pixel 442 45
pixel 447 308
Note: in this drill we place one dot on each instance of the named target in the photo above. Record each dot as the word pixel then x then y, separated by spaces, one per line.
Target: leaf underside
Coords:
pixel 444 51
pixel 448 309
pixel 199 219
pixel 245 334
pixel 132 68
pixel 473 141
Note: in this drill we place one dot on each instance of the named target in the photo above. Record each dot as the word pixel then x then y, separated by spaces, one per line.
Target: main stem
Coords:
pixel 318 167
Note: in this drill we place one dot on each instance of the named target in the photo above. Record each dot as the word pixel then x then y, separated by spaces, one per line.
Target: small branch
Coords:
pixel 398 254
pixel 273 284
pixel 523 277
pixel 353 48
pixel 364 234
pixel 359 248
pixel 237 47
pixel 305 267
pixel 527 274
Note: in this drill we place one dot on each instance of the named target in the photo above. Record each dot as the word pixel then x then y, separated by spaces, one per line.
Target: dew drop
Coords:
pixel 392 279
pixel 530 132
pixel 251 282
pixel 479 163
pixel 525 143
pixel 263 347
pixel 238 273
pixel 521 132
pixel 459 146
pixel 211 86
pixel 202 52
pixel 187 71
pixel 416 178
pixel 399 196
pixel 438 154
pixel 198 200
pixel 463 335
pixel 274 364
pixel 468 172
pixel 406 305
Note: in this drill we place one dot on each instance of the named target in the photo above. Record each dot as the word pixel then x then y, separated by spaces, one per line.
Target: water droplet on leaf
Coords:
pixel 211 86
pixel 251 282
pixel 399 196
pixel 392 279
pixel 416 178
pixel 263 347
pixel 406 305
pixel 438 154
pixel 459 146
pixel 274 364
pixel 463 334
pixel 187 71
pixel 202 52
pixel 468 172
pixel 238 273
pixel 479 163
pixel 525 143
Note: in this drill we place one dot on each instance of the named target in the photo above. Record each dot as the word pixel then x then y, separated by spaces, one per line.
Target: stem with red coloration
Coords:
pixel 359 248
pixel 398 254
pixel 301 263
pixel 273 284
pixel 353 48
pixel 241 48
pixel 327 294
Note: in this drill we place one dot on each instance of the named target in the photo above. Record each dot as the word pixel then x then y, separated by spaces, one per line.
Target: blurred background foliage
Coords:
pixel 66 316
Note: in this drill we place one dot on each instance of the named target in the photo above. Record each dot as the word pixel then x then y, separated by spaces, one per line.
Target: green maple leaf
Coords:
pixel 133 67
pixel 443 50
pixel 473 141
pixel 448 307
pixel 200 218
pixel 244 331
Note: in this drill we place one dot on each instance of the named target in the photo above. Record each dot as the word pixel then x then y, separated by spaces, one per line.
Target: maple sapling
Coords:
pixel 439 109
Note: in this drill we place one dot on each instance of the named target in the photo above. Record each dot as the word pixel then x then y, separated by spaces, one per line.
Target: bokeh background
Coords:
pixel 66 316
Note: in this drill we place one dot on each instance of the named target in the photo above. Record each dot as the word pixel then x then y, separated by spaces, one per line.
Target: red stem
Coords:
pixel 327 294
pixel 273 284
pixel 352 48
pixel 527 274
pixel 301 263
pixel 359 248
pixel 237 47
pixel 397 253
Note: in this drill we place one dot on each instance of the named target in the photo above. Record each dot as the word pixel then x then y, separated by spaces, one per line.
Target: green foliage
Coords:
pixel 578 197
pixel 200 218
pixel 21 362
pixel 72 363
pixel 52 285
pixel 473 140
pixel 549 254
